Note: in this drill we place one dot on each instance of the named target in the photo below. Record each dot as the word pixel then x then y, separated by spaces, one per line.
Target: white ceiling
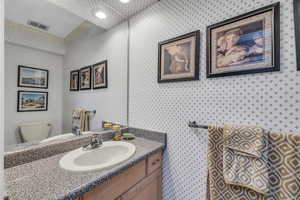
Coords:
pixel 115 10
pixel 65 16
pixel 61 22
pixel 85 30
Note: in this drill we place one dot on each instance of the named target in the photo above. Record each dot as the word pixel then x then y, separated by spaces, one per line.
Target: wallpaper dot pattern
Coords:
pixel 270 100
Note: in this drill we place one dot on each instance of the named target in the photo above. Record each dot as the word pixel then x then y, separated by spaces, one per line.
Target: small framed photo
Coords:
pixel 74 80
pixel 100 75
pixel 297 30
pixel 249 43
pixel 178 58
pixel 32 77
pixel 85 76
pixel 30 101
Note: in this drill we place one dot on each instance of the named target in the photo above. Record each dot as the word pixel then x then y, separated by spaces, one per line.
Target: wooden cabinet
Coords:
pixel 140 182
pixel 154 162
pixel 116 186
pixel 148 189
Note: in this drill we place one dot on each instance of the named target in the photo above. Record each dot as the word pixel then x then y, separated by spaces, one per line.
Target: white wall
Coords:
pixel 18 55
pixel 270 100
pixel 110 103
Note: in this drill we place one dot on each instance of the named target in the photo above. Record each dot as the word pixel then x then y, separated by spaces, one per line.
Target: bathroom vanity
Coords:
pixel 138 178
pixel 142 181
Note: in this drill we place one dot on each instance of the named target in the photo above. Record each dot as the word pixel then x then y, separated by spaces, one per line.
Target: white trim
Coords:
pixel 1 98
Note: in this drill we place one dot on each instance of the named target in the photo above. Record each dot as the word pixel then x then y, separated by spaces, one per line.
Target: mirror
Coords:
pixel 65 70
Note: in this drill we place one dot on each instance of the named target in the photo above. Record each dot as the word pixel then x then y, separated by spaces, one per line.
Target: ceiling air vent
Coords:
pixel 38 25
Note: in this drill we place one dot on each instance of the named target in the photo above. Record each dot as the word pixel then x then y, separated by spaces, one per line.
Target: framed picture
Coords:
pixel 100 75
pixel 32 77
pixel 30 101
pixel 85 81
pixel 297 30
pixel 178 58
pixel 74 80
pixel 246 44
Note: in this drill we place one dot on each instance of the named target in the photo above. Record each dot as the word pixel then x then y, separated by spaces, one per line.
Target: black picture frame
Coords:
pixel 32 68
pixel 36 110
pixel 195 34
pixel 275 42
pixel 105 62
pixel 71 74
pixel 297 30
pixel 90 78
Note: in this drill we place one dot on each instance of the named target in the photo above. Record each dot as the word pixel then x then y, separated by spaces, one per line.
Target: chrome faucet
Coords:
pixel 95 142
pixel 76 131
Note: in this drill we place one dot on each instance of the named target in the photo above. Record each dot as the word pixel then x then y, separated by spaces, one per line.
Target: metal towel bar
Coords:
pixel 91 111
pixel 195 125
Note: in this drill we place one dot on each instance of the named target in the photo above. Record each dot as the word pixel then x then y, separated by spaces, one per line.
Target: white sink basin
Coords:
pixel 58 137
pixel 109 154
pixel 62 136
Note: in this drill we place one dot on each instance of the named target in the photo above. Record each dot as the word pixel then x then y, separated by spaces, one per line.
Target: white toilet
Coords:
pixel 35 131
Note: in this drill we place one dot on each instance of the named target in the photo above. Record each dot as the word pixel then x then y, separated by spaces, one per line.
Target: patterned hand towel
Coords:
pixel 245 161
pixel 283 161
pixel 217 188
pixel 80 119
pixel 76 113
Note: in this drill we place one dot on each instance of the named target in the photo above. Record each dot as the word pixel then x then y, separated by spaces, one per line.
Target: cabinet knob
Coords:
pixel 156 161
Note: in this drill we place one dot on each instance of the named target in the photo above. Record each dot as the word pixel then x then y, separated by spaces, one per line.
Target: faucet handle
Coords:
pixel 96 139
pixel 76 131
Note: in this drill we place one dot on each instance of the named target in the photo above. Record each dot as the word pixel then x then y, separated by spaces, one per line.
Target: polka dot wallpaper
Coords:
pixel 270 100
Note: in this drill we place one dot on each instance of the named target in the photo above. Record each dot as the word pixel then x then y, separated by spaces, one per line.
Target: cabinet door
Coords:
pixel 147 189
pixel 113 188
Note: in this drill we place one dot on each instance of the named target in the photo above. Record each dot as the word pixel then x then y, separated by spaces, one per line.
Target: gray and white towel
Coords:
pixel 245 157
pixel 80 119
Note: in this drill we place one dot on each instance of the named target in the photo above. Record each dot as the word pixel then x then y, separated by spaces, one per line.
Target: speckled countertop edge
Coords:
pixel 88 187
pixel 158 137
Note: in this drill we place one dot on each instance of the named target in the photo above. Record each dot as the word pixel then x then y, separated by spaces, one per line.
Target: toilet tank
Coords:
pixel 35 131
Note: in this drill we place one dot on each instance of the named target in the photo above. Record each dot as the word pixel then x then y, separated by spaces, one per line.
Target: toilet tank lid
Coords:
pixel 34 124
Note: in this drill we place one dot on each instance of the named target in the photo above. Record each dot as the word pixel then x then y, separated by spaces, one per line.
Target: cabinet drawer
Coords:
pixel 154 162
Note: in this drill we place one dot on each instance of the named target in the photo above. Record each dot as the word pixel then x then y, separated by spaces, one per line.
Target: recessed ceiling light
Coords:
pixel 124 1
pixel 100 15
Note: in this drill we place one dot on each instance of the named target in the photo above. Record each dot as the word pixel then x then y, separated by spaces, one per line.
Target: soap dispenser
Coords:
pixel 118 134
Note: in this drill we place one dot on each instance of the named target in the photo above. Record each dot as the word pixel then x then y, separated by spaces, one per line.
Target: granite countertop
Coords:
pixel 44 179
